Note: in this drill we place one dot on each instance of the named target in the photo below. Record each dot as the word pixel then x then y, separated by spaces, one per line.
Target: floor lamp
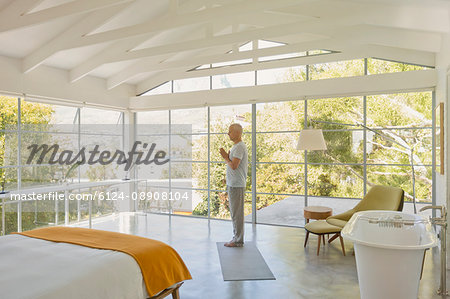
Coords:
pixel 315 144
pixel 310 140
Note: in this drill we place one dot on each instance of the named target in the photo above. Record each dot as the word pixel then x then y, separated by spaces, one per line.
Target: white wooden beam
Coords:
pixel 317 27
pixel 63 40
pixel 103 57
pixel 357 52
pixel 147 65
pixel 17 8
pixel 51 83
pixel 122 46
pixel 15 21
pixel 353 52
pixel 208 33
pixel 240 37
pixel 407 56
pixel 341 26
pixel 149 62
pixel 203 16
pixel 128 73
pixel 326 88
pixel 422 58
pixel 268 18
pixel 196 5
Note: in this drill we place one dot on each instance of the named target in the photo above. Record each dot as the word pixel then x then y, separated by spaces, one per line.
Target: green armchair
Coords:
pixel 378 198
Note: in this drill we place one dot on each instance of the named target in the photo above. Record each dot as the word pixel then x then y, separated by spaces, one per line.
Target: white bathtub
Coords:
pixel 389 250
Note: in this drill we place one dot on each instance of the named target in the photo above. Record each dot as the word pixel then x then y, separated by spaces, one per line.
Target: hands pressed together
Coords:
pixel 224 154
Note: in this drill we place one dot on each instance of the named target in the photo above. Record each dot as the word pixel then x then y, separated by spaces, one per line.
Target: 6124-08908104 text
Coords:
pixel 102 195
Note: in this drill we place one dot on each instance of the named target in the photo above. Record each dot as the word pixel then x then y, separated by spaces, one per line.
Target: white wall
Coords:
pixel 442 96
pixel 314 89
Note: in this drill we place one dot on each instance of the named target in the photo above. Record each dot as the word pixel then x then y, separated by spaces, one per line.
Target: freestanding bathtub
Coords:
pixel 389 249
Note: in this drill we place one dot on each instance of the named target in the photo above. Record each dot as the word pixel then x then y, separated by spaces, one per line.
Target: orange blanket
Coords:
pixel 160 264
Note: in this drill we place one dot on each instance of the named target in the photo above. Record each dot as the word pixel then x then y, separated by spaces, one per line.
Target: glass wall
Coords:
pixel 359 132
pixel 396 129
pixel 103 128
pixel 24 123
pixel 280 168
pixel 405 124
pixel 269 75
pixel 204 131
pixel 189 129
pixel 153 126
pixel 221 117
pixel 9 160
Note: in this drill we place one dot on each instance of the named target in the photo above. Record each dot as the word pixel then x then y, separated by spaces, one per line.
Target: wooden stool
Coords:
pixel 322 228
pixel 316 212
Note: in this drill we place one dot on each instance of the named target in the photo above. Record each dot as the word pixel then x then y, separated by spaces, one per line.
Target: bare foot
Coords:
pixel 233 244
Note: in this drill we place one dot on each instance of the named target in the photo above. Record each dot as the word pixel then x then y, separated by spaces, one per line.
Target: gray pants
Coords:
pixel 236 202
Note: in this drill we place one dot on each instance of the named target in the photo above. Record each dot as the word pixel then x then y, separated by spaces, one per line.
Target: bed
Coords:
pixel 32 266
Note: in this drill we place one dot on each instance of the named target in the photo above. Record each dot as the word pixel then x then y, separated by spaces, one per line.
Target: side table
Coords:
pixel 316 212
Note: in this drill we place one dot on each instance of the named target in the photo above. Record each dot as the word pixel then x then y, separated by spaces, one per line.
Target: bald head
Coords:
pixel 237 128
pixel 235 132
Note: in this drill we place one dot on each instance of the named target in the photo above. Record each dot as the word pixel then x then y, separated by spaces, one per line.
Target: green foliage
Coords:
pixel 278 178
pixel 218 201
pixel 33 114
pixel 37 117
pixel 201 209
pixel 378 66
pixel 8 119
pixel 337 69
pixel 323 186
pixel 345 144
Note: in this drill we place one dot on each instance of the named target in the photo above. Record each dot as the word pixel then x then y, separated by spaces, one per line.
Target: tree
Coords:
pixel 399 113
pixel 31 114
pixel 218 201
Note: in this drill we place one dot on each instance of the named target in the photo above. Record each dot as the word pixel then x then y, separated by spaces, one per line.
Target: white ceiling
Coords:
pixel 144 42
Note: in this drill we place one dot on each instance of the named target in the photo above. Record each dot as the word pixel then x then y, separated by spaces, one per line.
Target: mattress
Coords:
pixel 35 268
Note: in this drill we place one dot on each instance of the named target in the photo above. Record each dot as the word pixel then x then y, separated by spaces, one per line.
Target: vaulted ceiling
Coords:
pixel 144 43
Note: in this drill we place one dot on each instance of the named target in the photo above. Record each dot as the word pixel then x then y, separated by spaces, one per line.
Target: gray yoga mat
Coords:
pixel 243 263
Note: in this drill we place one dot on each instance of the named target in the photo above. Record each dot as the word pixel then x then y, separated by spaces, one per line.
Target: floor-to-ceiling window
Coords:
pixel 44 124
pixel 9 166
pixel 405 118
pixel 369 141
pixel 154 127
pixel 357 157
pixel 359 132
pixel 280 167
pixel 102 128
pixel 25 123
pixel 221 117
pixel 189 130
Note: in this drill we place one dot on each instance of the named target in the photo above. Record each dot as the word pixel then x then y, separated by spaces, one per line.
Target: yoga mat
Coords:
pixel 243 263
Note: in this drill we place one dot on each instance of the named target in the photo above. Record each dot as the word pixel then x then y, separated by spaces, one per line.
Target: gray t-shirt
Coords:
pixel 238 177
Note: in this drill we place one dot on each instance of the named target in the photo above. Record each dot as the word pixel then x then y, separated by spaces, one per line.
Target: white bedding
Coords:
pixel 37 269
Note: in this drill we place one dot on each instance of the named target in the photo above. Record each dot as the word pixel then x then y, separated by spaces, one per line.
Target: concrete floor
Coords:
pixel 299 272
pixel 289 211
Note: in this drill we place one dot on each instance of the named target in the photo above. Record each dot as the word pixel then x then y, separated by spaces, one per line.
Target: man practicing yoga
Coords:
pixel 237 164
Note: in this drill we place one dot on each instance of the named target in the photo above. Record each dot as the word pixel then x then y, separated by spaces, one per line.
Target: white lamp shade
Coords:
pixel 311 140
